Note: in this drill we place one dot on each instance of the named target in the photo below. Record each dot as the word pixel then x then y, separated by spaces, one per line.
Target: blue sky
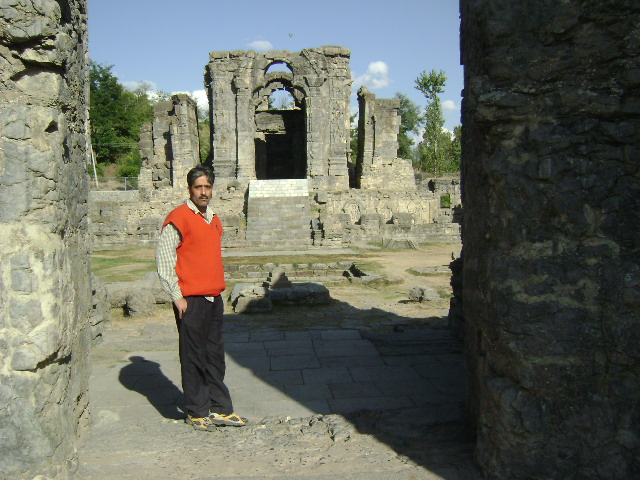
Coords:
pixel 167 42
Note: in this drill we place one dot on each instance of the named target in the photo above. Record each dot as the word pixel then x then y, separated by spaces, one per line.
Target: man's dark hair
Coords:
pixel 197 172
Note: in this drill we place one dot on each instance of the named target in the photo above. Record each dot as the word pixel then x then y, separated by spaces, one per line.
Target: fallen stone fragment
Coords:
pixel 423 294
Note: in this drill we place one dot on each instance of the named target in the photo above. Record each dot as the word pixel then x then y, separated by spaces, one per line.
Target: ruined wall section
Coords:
pixel 45 294
pixel 377 165
pixel 551 195
pixel 125 219
pixel 361 216
pixel 169 146
pixel 237 85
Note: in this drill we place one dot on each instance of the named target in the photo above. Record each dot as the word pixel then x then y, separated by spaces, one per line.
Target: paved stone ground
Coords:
pixel 322 403
pixel 353 390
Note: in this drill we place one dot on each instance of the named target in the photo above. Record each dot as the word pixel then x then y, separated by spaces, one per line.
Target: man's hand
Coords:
pixel 181 305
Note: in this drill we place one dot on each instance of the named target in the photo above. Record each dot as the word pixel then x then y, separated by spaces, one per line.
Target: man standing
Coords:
pixel 189 262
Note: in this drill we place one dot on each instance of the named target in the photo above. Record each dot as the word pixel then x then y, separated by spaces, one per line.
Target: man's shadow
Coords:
pixel 146 378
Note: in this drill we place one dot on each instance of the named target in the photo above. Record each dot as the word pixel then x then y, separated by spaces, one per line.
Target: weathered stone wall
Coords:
pixel 129 218
pixel 366 216
pixel 169 146
pixel 551 195
pixel 45 292
pixel 378 165
pixel 319 80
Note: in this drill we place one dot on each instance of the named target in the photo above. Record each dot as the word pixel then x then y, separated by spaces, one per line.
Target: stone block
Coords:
pixel 252 304
pixel 424 294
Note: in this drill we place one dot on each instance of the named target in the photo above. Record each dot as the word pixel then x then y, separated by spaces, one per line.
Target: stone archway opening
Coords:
pixel 280 141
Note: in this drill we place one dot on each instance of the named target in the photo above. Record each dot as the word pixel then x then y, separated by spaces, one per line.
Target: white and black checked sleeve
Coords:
pixel 166 258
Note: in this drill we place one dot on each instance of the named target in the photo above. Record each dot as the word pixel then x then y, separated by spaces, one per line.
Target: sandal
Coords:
pixel 231 420
pixel 200 423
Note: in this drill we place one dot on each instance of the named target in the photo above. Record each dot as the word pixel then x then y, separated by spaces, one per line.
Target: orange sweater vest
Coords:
pixel 199 265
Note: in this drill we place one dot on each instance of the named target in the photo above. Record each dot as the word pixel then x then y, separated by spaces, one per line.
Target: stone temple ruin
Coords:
pixel 548 292
pixel 283 177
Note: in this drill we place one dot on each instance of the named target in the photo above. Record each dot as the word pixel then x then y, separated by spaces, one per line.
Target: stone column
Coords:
pixel 246 128
pixel 551 195
pixel 339 92
pixel 162 162
pixel 222 108
pixel 317 151
pixel 45 291
pixel 184 139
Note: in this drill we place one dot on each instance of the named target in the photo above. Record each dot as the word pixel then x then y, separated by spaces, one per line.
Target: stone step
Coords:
pixel 278 214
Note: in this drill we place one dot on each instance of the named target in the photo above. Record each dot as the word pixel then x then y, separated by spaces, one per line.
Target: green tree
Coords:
pixel 353 137
pixel 280 99
pixel 410 123
pixel 435 144
pixel 204 134
pixel 116 116
pixel 456 149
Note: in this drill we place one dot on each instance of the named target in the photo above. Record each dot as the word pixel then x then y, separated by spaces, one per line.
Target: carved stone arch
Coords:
pixel 263 91
pixel 280 135
pixel 277 61
pixel 319 83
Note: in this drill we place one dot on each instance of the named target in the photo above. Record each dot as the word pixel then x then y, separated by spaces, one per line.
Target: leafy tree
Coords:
pixel 353 137
pixel 435 142
pixel 204 134
pixel 410 123
pixel 456 149
pixel 280 99
pixel 116 116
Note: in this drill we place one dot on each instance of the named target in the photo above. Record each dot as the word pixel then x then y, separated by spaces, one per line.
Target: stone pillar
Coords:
pixel 222 111
pixel 339 92
pixel 145 145
pixel 45 291
pixel 246 128
pixel 162 162
pixel 317 151
pixel 551 195
pixel 169 146
pixel 184 139
pixel 377 165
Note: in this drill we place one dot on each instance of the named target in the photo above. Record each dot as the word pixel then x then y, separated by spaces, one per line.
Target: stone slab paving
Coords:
pixel 275 376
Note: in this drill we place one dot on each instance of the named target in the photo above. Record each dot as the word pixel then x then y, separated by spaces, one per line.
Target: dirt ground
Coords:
pixel 391 445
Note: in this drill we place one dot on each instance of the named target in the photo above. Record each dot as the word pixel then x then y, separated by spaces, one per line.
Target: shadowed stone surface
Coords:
pixel 551 195
pixel 46 319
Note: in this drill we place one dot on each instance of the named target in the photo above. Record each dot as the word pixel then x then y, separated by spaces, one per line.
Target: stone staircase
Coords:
pixel 278 214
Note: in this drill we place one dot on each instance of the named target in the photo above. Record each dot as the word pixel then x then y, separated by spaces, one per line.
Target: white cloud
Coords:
pixel 261 45
pixel 200 96
pixel 450 106
pixel 377 76
pixel 150 86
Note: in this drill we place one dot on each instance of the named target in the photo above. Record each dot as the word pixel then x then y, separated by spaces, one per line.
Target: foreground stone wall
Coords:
pixel 45 292
pixel 551 195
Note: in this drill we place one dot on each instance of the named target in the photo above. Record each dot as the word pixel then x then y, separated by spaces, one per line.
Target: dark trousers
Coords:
pixel 202 363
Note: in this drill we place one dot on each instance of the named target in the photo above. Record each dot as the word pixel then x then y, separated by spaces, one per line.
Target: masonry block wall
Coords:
pixel 377 165
pixel 319 80
pixel 45 291
pixel 551 195
pixel 169 146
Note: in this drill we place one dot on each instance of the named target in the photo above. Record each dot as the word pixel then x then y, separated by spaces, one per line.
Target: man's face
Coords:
pixel 200 192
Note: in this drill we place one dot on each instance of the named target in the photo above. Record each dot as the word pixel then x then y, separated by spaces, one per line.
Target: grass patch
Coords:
pixel 129 264
pixel 123 265
pixel 285 259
